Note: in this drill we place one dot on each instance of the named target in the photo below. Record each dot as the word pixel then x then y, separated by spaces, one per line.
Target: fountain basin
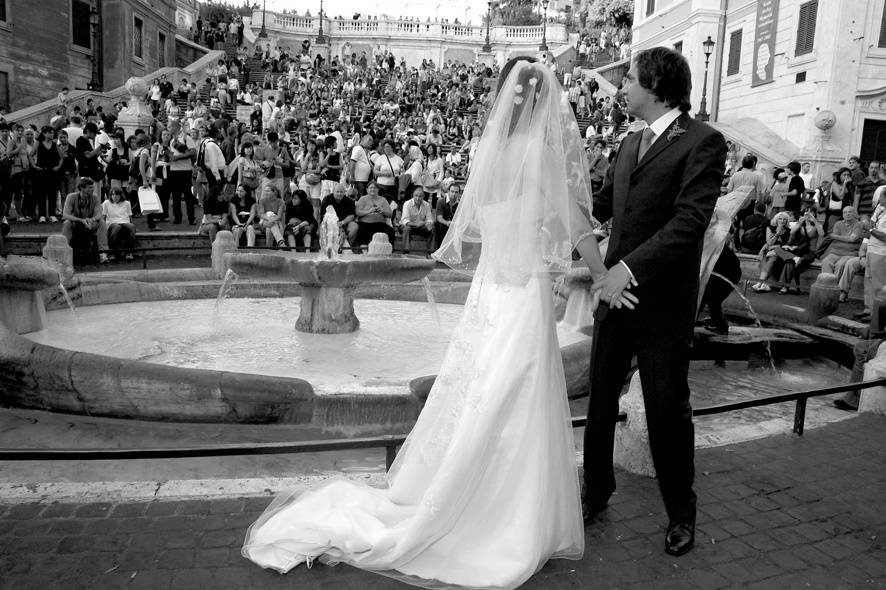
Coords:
pixel 327 305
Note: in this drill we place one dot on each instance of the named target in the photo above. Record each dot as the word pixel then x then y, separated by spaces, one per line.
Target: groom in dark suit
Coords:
pixel 660 193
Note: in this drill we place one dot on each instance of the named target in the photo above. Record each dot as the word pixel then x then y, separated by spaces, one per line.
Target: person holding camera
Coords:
pixel 180 175
pixel 88 153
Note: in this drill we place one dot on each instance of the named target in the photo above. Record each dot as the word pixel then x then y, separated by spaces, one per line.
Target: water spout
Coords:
pixel 330 235
pixel 432 302
pixel 767 345
pixel 225 289
pixel 67 299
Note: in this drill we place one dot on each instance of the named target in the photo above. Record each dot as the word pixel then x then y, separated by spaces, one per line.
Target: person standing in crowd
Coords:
pixel 180 177
pixel 387 169
pixel 47 165
pixel 360 169
pixel 863 198
pixel 89 152
pixel 67 177
pixel 160 153
pixel 22 151
pixel 5 168
pixel 796 190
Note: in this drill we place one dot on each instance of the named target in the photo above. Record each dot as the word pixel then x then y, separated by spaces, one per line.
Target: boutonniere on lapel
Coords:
pixel 675 132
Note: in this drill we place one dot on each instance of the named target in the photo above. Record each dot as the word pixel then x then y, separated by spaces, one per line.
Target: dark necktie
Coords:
pixel 645 142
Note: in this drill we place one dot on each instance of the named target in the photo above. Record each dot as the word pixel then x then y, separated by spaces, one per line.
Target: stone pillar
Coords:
pixel 380 246
pixel 824 297
pixel 223 244
pixel 873 400
pixel 59 255
pixel 632 437
pixel 327 310
pixel 136 115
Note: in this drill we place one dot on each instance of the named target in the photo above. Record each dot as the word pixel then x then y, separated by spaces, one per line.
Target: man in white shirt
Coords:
pixel 75 129
pixel 211 160
pixel 360 165
pixel 417 219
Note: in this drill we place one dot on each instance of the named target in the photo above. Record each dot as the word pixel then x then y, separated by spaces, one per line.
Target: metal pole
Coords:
pixel 487 48
pixel 263 33
pixel 703 109
pixel 544 29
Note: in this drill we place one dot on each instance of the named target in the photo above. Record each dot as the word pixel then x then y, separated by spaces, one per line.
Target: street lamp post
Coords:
pixel 263 33
pixel 544 27
pixel 487 48
pixel 95 83
pixel 708 45
pixel 321 39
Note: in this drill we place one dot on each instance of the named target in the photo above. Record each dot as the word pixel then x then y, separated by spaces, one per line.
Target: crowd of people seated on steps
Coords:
pixel 349 124
pixel 794 219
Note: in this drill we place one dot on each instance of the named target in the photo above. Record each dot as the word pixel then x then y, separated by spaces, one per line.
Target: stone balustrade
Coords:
pixel 385 28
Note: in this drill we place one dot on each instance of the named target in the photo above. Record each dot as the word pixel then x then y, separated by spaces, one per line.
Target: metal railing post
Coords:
pixel 800 416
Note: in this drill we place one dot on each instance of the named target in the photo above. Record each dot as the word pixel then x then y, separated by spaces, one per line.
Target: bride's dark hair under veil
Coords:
pixel 528 197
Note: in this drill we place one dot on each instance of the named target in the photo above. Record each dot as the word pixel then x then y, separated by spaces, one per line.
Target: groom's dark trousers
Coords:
pixel 660 208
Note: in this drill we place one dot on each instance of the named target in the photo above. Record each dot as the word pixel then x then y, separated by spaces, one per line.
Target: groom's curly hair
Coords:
pixel 666 74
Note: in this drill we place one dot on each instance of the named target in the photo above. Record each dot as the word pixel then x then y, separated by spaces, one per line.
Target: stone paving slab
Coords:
pixel 783 512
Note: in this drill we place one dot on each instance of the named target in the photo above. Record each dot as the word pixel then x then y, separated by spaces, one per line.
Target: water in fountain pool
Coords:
pixel 397 340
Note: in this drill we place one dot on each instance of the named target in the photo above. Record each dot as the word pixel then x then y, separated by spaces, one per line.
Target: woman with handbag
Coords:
pixel 160 156
pixel 142 170
pixel 432 178
pixel 387 170
pixel 248 172
pixel 310 164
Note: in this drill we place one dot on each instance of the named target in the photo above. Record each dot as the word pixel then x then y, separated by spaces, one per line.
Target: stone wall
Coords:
pixel 39 57
pixel 40 60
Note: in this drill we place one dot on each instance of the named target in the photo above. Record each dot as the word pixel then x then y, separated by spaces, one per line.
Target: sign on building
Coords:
pixel 764 42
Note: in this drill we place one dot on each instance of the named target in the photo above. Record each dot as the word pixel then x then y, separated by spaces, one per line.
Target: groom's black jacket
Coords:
pixel 660 208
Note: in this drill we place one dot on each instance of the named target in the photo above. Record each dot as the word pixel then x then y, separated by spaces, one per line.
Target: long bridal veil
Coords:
pixel 485 490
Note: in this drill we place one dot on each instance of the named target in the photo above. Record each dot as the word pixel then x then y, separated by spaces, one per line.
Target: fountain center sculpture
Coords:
pixel 328 282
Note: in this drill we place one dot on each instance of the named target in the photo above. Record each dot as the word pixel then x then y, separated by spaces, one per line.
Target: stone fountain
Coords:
pixel 328 282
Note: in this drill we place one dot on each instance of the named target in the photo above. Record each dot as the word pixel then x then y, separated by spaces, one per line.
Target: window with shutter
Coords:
pixel 806 28
pixel 734 53
pixel 650 7
pixel 137 37
pixel 81 35
pixel 882 42
pixel 4 90
pixel 3 16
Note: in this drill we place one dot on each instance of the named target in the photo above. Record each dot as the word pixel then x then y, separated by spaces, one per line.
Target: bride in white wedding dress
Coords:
pixel 485 489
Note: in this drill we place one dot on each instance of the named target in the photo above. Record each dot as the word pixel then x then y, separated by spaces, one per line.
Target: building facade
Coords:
pixel 50 44
pixel 799 79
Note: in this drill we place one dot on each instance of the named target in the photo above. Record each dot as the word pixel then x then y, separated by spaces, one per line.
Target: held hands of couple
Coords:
pixel 612 288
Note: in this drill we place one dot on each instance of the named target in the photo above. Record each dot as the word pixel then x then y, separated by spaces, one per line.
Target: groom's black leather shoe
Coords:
pixel 589 511
pixel 680 538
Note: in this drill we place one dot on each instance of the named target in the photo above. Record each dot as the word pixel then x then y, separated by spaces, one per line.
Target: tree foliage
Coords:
pixel 615 13
pixel 517 13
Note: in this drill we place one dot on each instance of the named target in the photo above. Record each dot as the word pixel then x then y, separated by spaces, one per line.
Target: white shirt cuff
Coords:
pixel 628 268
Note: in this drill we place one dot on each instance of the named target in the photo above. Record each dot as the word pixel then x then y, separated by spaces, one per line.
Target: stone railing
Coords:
pixel 392 28
pixel 522 32
pixel 40 113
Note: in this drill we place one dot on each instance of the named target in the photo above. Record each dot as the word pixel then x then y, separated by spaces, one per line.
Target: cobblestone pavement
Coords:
pixel 783 512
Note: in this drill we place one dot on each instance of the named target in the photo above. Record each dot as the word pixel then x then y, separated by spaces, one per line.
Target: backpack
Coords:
pixel 754 238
